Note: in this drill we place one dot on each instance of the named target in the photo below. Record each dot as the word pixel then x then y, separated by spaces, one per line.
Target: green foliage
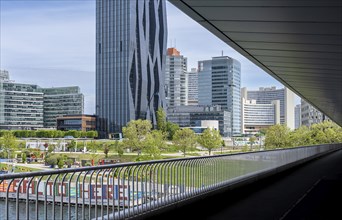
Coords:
pixel 92 134
pixel 9 144
pixel 135 132
pixel 49 133
pixel 105 150
pixel 71 145
pixel 153 143
pixel 210 139
pixel 171 129
pixel 301 137
pixel 23 157
pixel 161 120
pixel 184 138
pixel 252 140
pixel 277 136
pixel 245 148
pixel 118 147
pixel 325 133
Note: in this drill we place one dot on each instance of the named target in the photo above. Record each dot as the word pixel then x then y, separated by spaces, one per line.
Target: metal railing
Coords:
pixel 127 190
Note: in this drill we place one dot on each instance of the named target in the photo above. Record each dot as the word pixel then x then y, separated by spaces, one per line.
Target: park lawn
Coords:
pixel 18 168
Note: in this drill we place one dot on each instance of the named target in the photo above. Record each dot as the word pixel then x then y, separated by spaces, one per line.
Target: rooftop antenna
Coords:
pixel 222 52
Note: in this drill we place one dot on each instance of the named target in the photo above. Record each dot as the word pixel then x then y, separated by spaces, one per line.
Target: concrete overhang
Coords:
pixel 298 42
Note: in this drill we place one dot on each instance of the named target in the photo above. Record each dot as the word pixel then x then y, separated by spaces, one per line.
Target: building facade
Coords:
pixel 176 81
pixel 193 87
pixel 284 95
pixel 76 122
pixel 256 117
pixel 131 41
pixel 61 101
pixel 219 81
pixel 21 105
pixel 192 116
pixel 298 117
pixel 310 115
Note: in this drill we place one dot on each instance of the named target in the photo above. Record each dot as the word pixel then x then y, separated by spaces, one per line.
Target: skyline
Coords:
pixel 57 38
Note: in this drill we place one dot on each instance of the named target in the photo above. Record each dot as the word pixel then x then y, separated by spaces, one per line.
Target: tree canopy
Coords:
pixel 210 139
pixel 184 139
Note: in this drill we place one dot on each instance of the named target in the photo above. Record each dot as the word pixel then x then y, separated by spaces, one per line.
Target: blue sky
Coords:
pixel 52 43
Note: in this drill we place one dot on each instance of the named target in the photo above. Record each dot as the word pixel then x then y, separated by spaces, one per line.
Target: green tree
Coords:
pixel 161 119
pixel 118 148
pixel 154 142
pixel 277 136
pixel 135 132
pixel 252 141
pixel 92 134
pixel 301 137
pixel 9 143
pixel 326 132
pixel 210 139
pixel 72 145
pixel 171 129
pixel 23 157
pixel 184 138
pixel 60 162
pixel 105 150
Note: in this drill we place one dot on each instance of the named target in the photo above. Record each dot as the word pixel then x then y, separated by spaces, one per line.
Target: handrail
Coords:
pixel 126 190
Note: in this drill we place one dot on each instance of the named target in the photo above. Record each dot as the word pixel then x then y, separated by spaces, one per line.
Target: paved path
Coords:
pixel 310 191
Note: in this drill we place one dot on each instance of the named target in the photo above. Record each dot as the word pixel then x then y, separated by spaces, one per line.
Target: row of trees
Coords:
pixel 49 133
pixel 141 138
pixel 280 136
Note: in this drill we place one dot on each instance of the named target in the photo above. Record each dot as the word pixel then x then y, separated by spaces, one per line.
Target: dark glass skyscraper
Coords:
pixel 131 38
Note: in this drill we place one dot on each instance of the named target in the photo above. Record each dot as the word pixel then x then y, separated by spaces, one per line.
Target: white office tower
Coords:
pixel 176 81
pixel 258 116
pixel 284 95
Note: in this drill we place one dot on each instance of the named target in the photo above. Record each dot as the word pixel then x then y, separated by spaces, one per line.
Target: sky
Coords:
pixel 51 43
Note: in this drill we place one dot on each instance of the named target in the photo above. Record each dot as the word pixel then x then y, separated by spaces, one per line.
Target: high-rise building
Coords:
pixel 310 115
pixel 61 101
pixel 219 81
pixel 21 105
pixel 193 87
pixel 131 39
pixel 176 82
pixel 284 95
pixel 298 120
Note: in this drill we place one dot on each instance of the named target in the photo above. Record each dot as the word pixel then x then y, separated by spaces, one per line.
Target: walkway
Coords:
pixel 310 191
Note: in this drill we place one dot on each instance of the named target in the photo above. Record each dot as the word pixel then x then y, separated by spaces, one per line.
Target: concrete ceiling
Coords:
pixel 298 42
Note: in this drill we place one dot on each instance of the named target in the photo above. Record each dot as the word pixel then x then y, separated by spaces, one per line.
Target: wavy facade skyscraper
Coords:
pixel 131 37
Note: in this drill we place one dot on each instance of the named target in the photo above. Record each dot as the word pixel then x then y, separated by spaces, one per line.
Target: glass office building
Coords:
pixel 192 116
pixel 61 101
pixel 219 81
pixel 21 105
pixel 131 41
